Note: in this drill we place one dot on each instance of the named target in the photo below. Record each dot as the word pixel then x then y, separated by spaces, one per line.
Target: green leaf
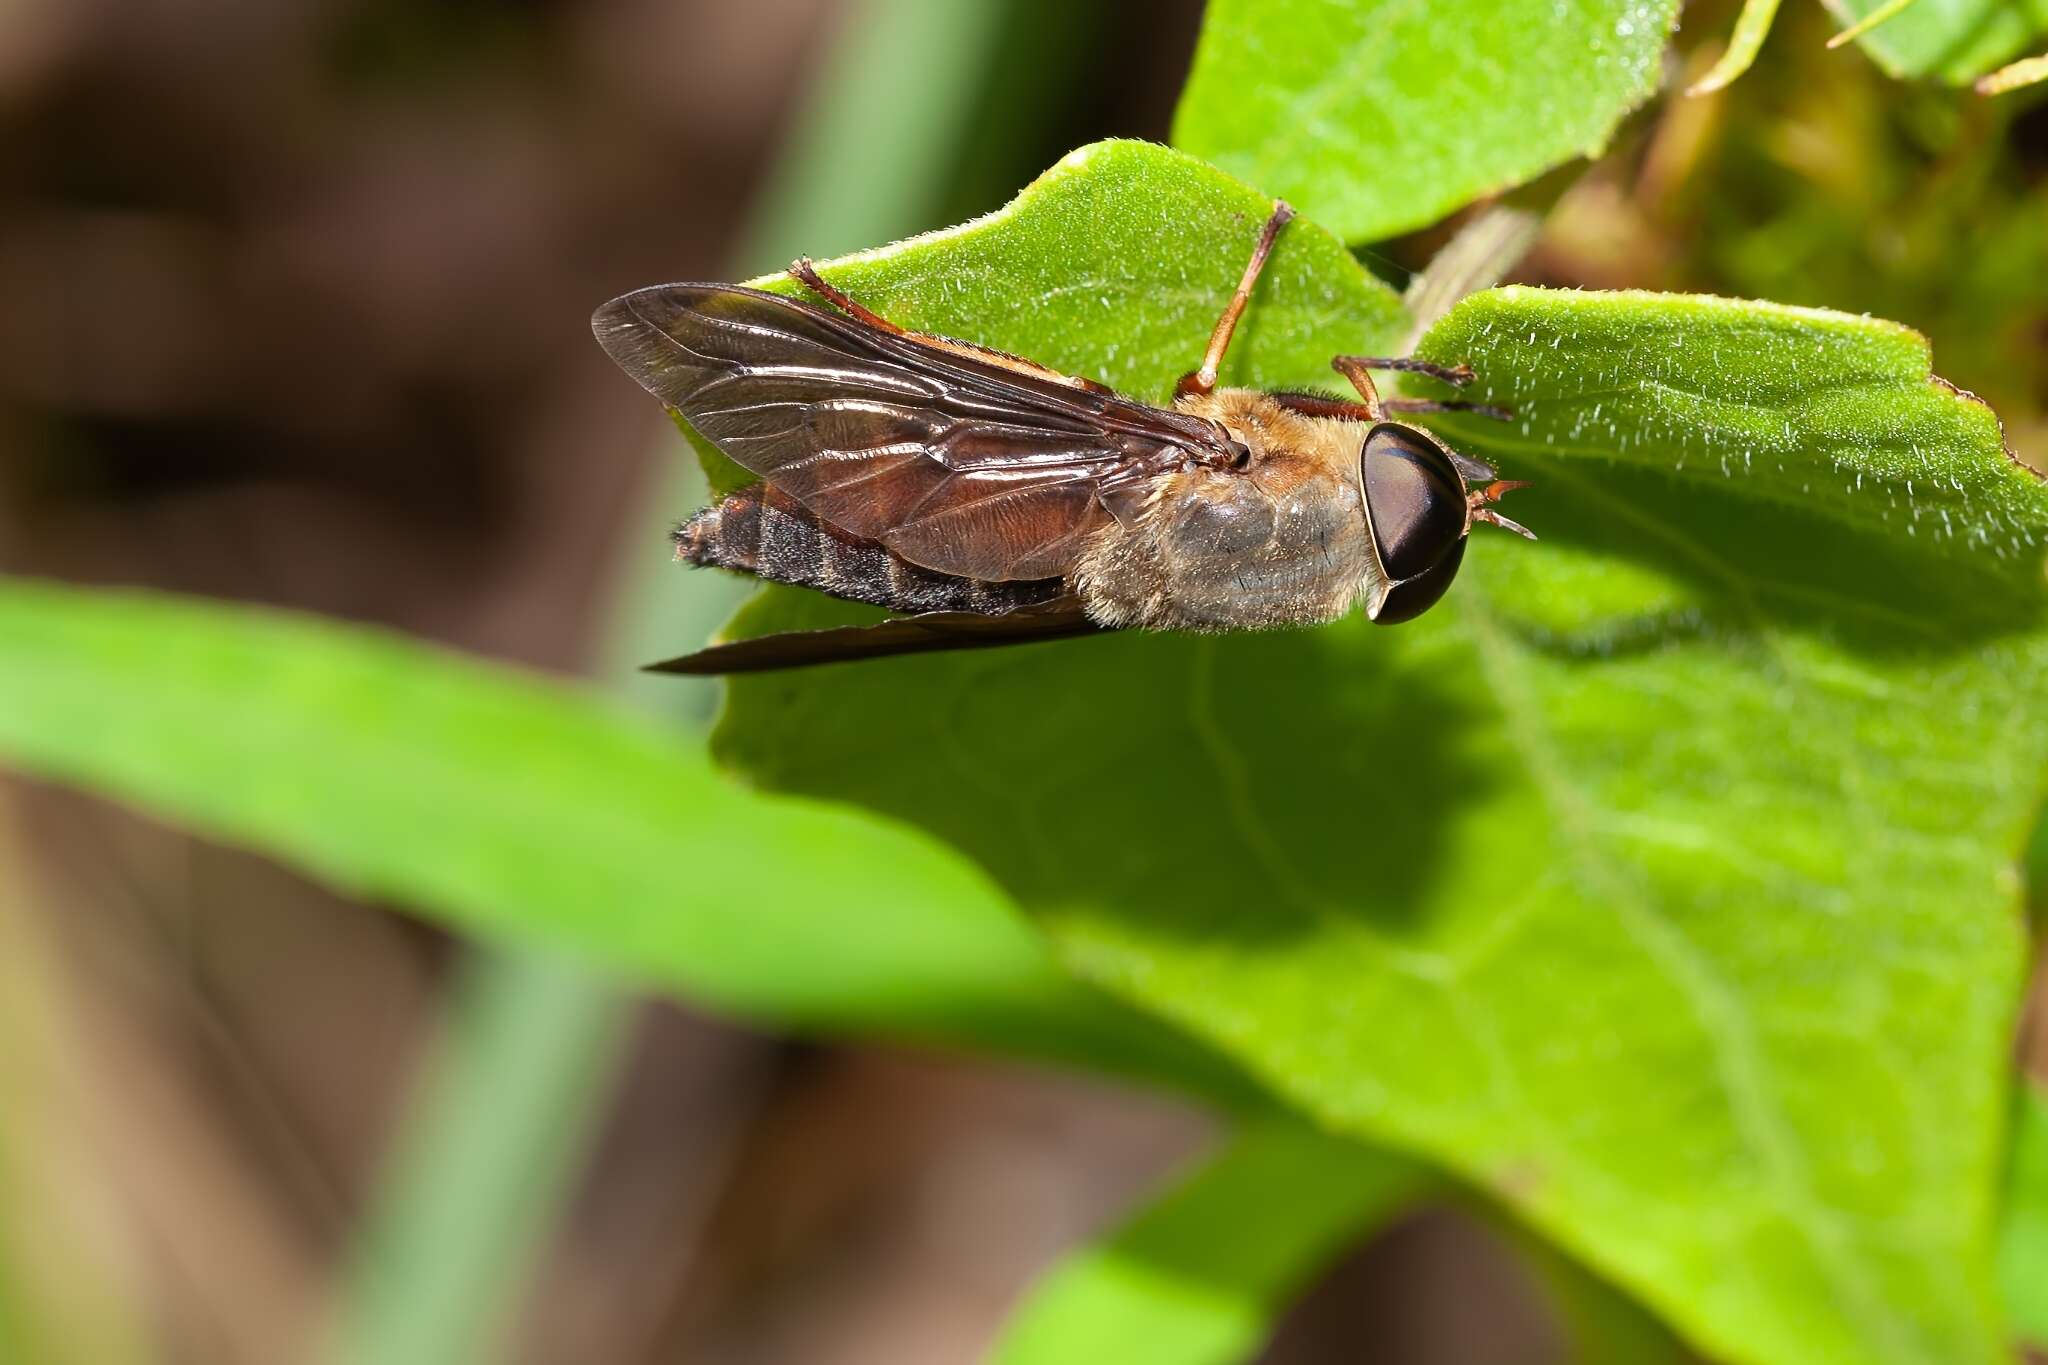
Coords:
pixel 1197 1277
pixel 522 809
pixel 1817 411
pixel 1129 300
pixel 1952 40
pixel 1378 116
pixel 1660 880
pixel 2023 1254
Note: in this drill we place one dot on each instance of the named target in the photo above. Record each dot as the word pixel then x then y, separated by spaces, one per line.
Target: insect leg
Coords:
pixel 803 272
pixel 1499 414
pixel 1319 405
pixel 1352 369
pixel 1204 379
pixel 1460 375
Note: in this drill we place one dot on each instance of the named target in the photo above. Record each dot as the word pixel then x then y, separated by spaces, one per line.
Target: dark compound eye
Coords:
pixel 1415 505
pixel 1411 597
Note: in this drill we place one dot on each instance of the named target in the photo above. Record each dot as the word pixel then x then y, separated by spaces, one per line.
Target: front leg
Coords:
pixel 1358 369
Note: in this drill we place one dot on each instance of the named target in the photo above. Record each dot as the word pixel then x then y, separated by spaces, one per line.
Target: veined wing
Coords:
pixel 919 634
pixel 961 463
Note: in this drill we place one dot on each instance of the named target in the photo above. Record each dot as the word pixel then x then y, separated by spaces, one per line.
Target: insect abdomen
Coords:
pixel 764 532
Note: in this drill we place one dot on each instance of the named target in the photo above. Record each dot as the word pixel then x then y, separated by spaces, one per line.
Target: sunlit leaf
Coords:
pixel 1659 881
pixel 1377 116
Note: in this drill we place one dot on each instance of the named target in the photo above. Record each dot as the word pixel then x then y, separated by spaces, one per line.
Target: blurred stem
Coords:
pixel 62 1300
pixel 867 159
pixel 505 1110
pixel 1479 257
pixel 1751 28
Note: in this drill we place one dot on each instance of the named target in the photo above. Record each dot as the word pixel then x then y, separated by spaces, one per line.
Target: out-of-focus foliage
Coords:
pixel 1688 818
pixel 1378 116
pixel 1957 41
pixel 516 808
pixel 1952 40
pixel 2023 1260
pixel 1743 44
pixel 1196 1277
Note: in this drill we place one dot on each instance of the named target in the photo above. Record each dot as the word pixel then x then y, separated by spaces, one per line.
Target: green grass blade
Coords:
pixel 483 1162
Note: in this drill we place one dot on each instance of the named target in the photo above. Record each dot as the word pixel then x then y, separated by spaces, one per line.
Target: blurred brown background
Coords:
pixel 296 312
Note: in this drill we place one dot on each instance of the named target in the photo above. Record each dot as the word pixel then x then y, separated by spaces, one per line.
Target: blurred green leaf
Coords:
pixel 1953 40
pixel 1660 881
pixel 2023 1256
pixel 1378 116
pixel 514 807
pixel 1197 1277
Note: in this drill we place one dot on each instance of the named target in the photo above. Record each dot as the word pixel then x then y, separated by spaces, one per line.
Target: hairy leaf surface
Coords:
pixel 1660 880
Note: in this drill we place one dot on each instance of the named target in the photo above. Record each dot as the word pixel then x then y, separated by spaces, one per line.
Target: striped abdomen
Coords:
pixel 764 532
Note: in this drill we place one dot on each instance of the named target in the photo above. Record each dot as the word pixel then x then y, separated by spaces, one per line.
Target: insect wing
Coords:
pixel 960 463
pixel 920 634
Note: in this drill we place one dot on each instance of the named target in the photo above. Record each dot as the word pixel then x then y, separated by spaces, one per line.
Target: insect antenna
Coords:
pixel 1478 503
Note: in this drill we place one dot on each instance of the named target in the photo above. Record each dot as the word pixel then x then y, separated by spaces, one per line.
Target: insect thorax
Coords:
pixel 1221 551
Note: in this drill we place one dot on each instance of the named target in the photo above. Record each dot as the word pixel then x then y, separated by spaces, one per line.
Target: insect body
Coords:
pixel 996 500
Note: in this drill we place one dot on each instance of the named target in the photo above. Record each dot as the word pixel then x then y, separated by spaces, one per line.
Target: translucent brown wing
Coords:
pixel 920 634
pixel 963 464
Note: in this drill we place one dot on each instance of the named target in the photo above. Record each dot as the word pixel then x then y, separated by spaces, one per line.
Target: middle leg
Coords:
pixel 1203 381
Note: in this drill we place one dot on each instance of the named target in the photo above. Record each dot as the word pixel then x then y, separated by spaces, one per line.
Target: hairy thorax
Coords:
pixel 1281 542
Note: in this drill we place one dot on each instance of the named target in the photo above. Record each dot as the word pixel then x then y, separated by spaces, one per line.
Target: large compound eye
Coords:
pixel 1411 597
pixel 1415 505
pixel 1414 499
